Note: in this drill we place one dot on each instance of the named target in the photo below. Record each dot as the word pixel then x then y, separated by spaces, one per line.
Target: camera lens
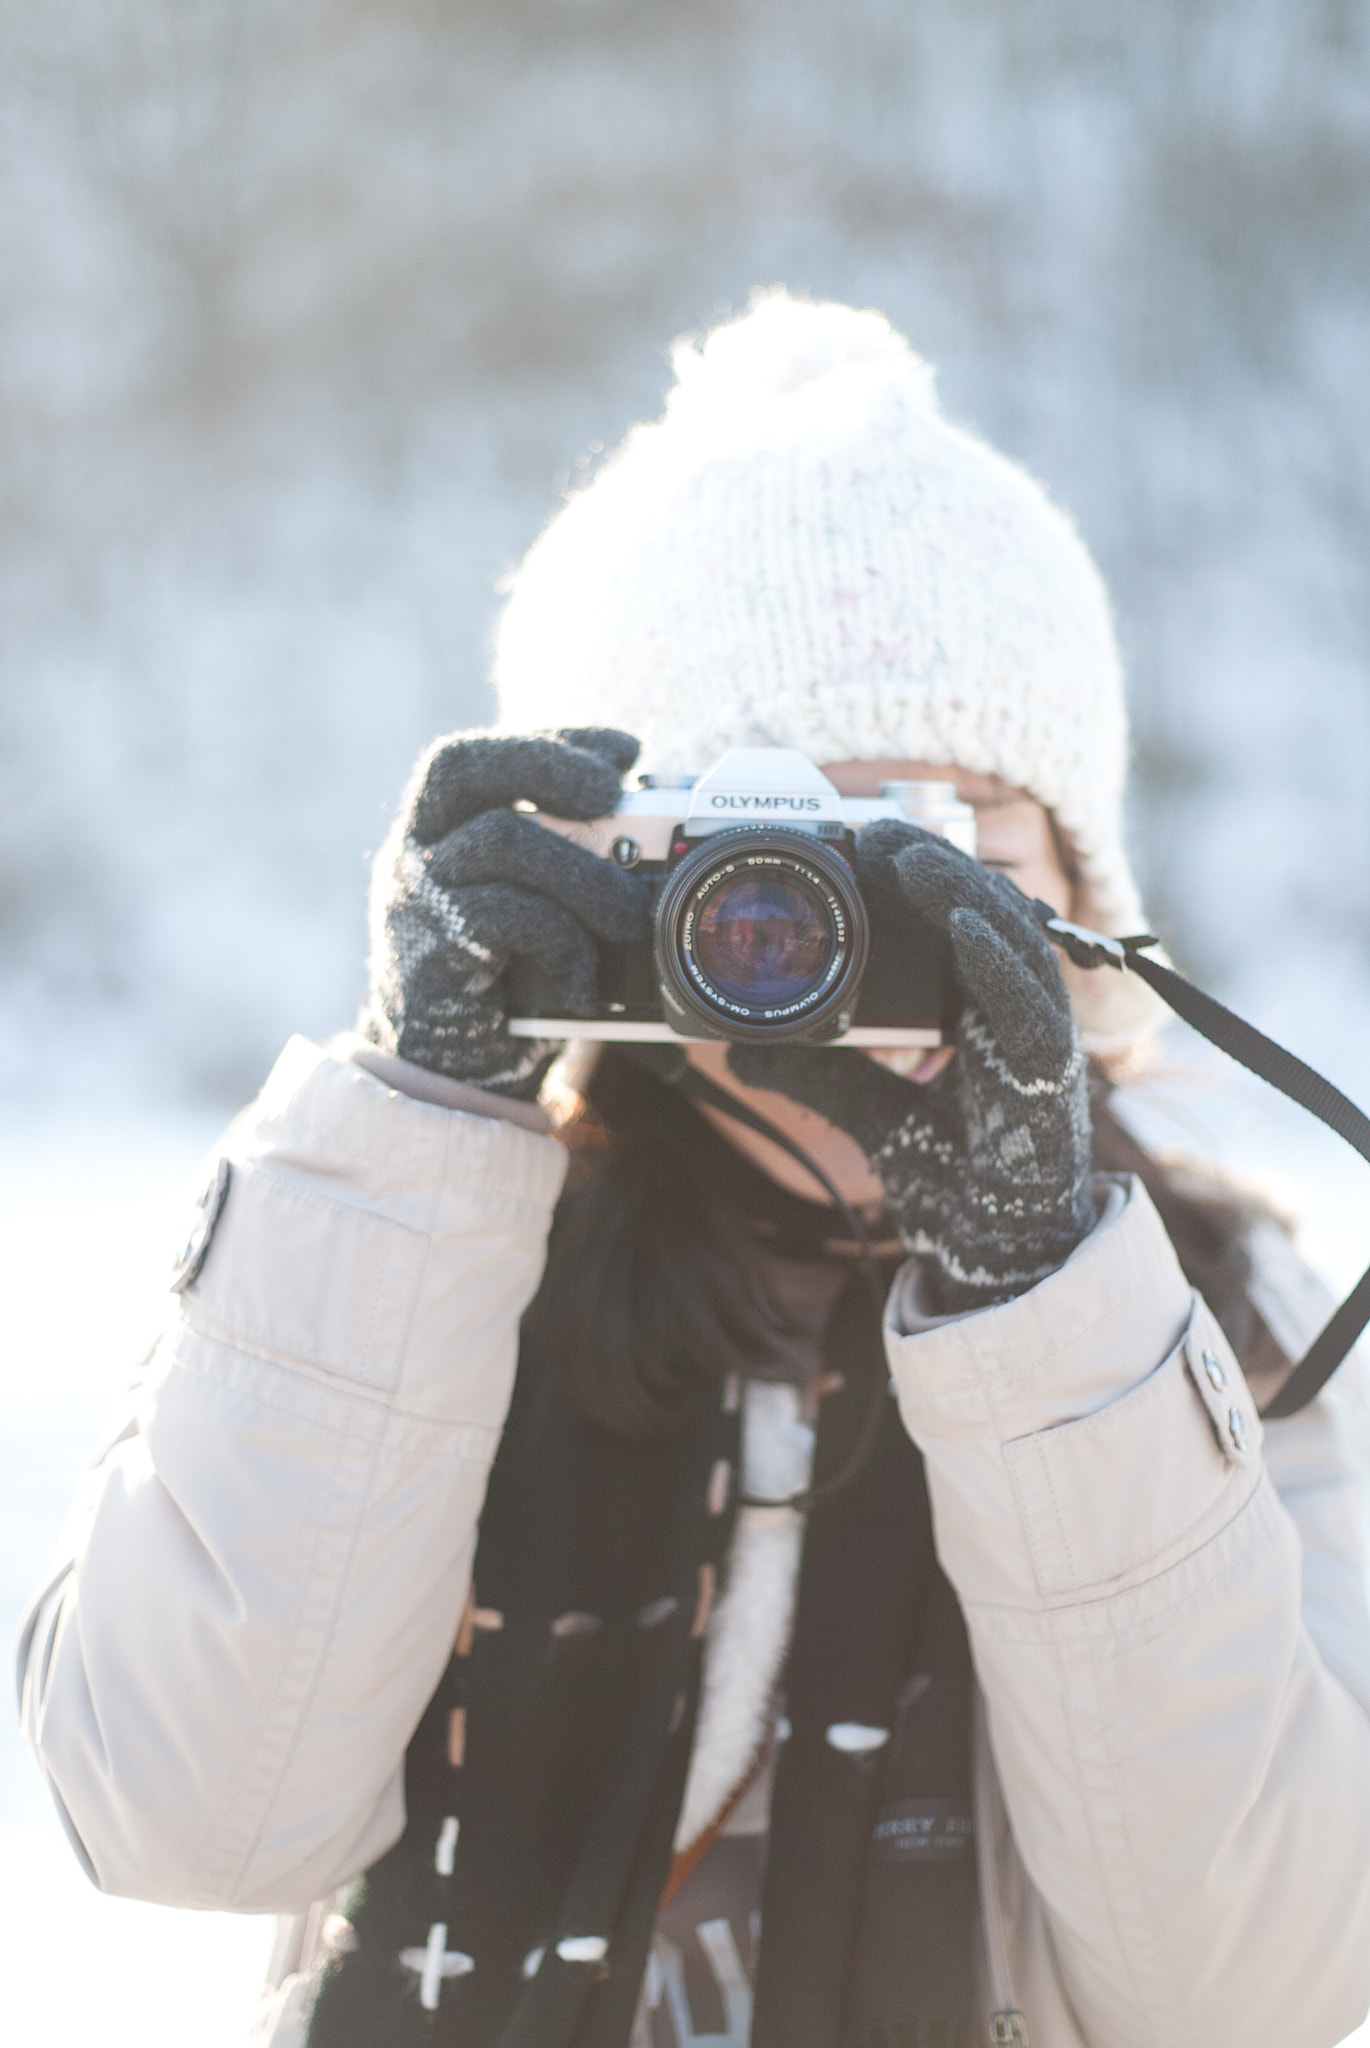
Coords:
pixel 760 933
pixel 764 939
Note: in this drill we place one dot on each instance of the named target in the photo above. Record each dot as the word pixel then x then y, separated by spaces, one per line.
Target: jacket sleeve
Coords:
pixel 262 1577
pixel 1177 1680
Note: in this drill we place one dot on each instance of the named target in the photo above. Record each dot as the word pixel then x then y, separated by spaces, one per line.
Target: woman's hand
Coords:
pixel 466 888
pixel 986 1168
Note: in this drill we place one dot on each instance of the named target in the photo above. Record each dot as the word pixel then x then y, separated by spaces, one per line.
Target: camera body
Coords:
pixel 760 927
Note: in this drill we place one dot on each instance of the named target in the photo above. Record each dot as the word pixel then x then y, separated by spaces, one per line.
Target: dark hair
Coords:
pixel 653 1291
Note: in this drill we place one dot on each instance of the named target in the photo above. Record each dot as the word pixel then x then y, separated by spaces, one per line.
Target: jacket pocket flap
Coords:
pixel 1118 1490
pixel 308 1279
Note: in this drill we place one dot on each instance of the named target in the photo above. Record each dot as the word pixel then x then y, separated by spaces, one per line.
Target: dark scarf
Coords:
pixel 559 1738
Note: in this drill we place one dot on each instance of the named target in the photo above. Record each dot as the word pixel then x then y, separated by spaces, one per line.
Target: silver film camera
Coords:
pixel 760 929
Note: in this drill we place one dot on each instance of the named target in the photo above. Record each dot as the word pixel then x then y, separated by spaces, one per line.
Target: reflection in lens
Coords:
pixel 764 940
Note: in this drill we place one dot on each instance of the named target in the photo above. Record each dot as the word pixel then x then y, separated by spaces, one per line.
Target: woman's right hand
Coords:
pixel 465 886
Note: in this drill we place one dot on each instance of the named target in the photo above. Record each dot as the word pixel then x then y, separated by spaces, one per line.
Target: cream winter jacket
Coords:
pixel 261 1580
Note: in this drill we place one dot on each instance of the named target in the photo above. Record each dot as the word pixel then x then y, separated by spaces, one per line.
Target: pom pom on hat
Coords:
pixel 803 551
pixel 781 345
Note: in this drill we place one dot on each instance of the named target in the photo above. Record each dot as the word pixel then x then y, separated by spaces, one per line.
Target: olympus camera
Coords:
pixel 760 929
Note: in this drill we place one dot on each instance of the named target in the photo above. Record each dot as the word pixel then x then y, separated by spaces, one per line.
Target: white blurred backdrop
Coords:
pixel 310 309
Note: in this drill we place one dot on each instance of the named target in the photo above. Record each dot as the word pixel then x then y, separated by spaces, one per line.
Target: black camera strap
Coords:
pixel 1269 1062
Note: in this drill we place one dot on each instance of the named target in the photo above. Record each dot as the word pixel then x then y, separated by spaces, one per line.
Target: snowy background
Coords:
pixel 309 309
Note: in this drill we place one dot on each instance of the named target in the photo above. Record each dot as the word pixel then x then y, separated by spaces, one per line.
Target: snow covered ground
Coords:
pixel 89 1214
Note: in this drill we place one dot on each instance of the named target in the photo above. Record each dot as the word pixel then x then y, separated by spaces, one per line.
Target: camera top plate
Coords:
pixel 748 786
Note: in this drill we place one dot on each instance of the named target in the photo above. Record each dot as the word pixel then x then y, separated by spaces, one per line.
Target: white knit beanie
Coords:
pixel 804 552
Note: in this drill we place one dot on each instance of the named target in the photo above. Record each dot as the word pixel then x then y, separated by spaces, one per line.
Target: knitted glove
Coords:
pixel 987 1168
pixel 468 894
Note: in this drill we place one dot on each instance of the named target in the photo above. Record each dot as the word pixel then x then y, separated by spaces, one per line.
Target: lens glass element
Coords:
pixel 759 933
pixel 765 939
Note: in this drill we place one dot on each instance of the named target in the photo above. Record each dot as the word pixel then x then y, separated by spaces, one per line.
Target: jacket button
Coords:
pixel 208 1209
pixel 1213 1366
pixel 1236 1428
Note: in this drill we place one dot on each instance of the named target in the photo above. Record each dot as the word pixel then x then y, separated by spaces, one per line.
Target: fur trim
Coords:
pixel 749 1631
pixel 749 1636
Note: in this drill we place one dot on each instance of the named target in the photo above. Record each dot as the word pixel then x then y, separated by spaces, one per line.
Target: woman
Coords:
pixel 1030 1705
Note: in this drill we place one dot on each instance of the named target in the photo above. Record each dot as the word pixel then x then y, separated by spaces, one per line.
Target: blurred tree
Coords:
pixel 307 311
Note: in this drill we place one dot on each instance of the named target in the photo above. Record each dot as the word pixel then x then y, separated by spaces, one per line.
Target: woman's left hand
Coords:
pixel 986 1169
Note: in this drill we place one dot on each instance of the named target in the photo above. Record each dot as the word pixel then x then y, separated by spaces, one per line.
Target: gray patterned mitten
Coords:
pixel 986 1169
pixel 467 892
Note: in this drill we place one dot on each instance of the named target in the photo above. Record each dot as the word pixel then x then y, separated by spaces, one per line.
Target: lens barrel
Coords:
pixel 760 933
